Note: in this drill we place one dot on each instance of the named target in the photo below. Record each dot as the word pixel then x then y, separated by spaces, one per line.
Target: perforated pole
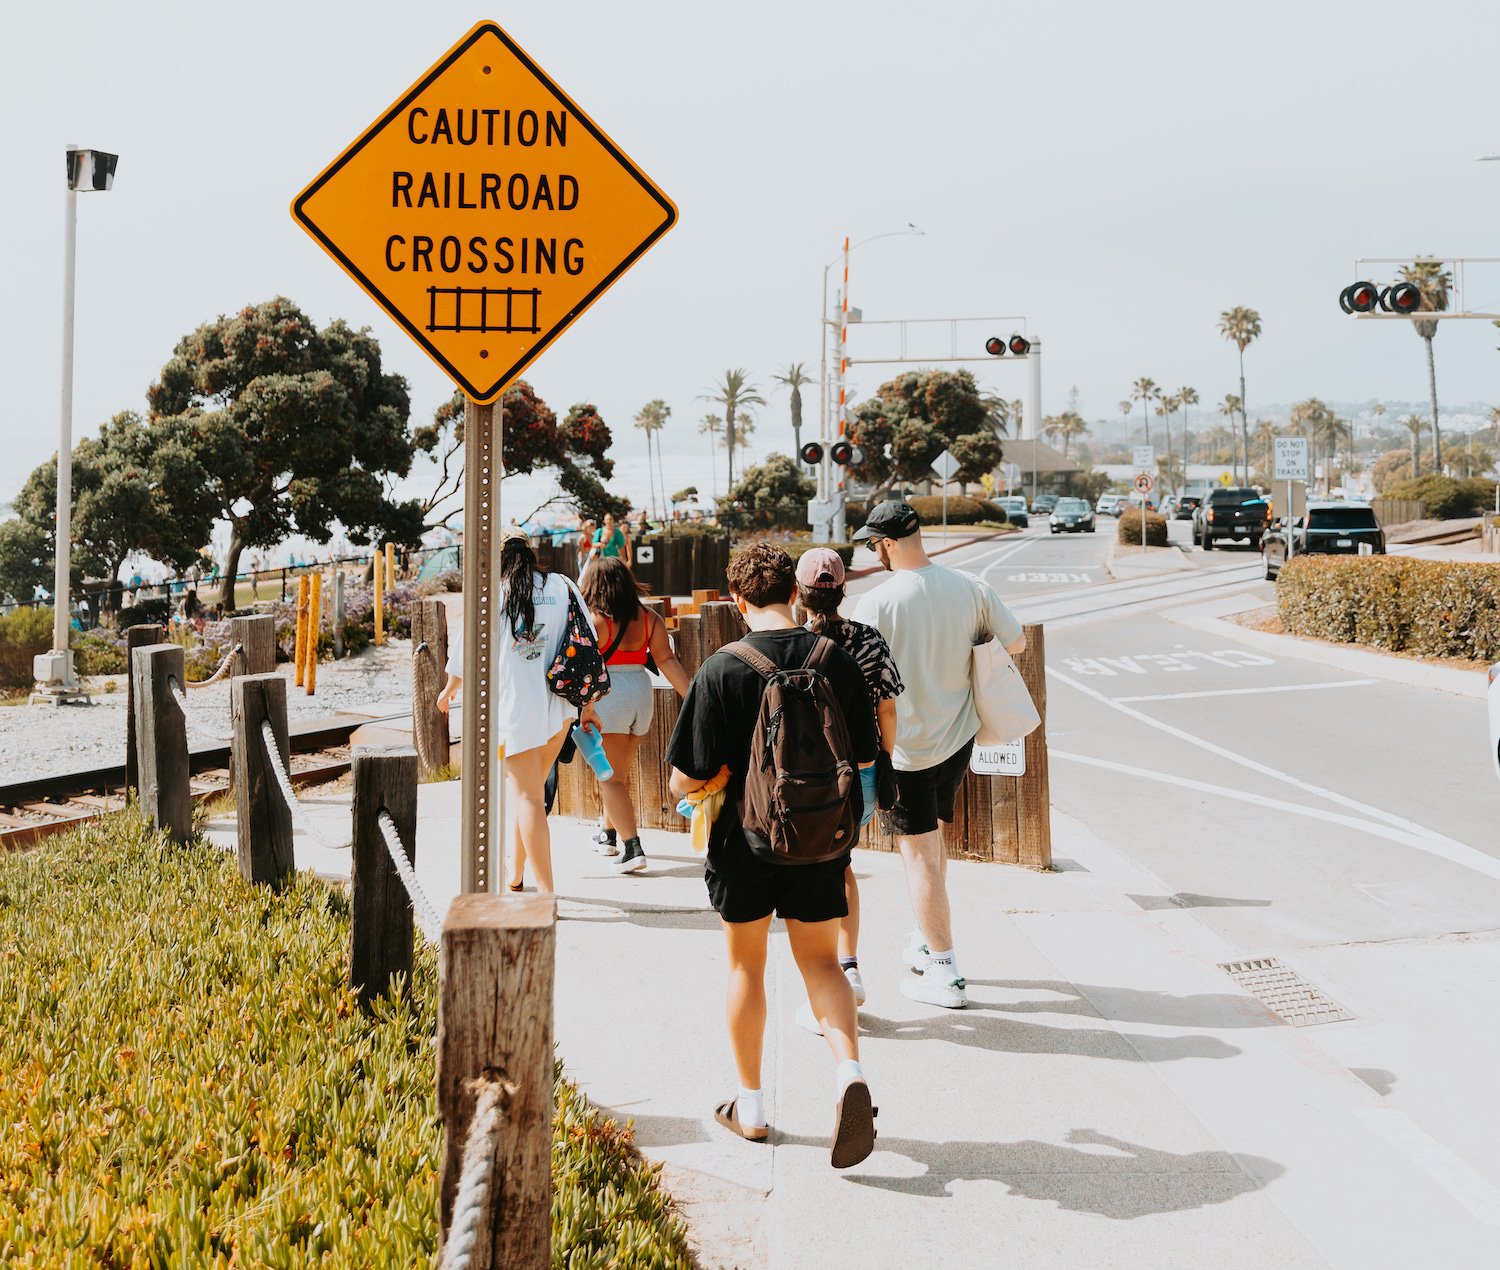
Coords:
pixel 483 809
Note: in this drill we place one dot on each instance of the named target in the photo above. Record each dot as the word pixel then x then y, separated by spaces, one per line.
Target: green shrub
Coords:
pixel 1446 497
pixel 194 1084
pixel 1129 530
pixel 962 510
pixel 1432 607
pixel 98 652
pixel 23 634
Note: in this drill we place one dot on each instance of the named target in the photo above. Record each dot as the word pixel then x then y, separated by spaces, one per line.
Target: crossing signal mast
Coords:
pixel 1387 301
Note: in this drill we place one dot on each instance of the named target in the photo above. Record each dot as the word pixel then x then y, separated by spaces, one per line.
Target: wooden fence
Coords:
pixel 676 564
pixel 1398 511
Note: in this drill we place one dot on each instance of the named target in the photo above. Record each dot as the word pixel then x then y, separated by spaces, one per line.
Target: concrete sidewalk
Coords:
pixel 1110 1096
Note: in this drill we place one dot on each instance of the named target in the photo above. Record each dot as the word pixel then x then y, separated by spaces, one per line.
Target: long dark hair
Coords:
pixel 821 603
pixel 519 569
pixel 610 588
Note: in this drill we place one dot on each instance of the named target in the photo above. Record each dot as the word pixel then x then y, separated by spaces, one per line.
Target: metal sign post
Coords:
pixel 1289 463
pixel 945 465
pixel 484 211
pixel 1144 461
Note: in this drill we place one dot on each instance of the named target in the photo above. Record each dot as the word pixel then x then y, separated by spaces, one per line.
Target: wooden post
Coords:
pixel 379 569
pixel 314 629
pixel 264 821
pixel 429 642
pixel 1034 790
pixel 299 654
pixel 338 613
pixel 135 637
pixel 162 732
pixel 390 565
pixel 495 1017
pixel 719 623
pixel 382 932
pixel 256 637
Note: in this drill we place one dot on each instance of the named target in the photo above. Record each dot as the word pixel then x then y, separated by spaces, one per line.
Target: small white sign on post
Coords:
pixel 645 555
pixel 999 760
pixel 1012 474
pixel 945 465
pixel 1143 458
pixel 1290 459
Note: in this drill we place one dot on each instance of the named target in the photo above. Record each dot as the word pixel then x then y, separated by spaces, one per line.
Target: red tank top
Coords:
pixel 626 656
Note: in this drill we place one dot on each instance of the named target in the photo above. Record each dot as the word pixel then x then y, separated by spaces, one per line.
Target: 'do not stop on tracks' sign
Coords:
pixel 484 211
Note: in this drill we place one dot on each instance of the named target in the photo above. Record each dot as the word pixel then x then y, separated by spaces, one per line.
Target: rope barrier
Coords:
pixel 223 667
pixel 300 818
pixel 474 1179
pixel 430 924
pixel 204 733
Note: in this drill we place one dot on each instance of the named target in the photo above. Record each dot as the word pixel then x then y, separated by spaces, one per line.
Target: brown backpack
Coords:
pixel 798 804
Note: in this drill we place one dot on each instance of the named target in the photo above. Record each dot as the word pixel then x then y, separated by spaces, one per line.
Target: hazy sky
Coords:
pixel 1116 172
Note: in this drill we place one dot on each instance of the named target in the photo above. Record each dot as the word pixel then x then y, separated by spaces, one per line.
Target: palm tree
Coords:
pixel 1065 426
pixel 1166 408
pixel 713 425
pixel 1414 424
pixel 1230 406
pixel 1145 391
pixel 1495 421
pixel 795 378
pixel 651 419
pixel 1186 397
pixel 736 391
pixel 1432 281
pixel 1241 326
pixel 1000 414
pixel 1265 436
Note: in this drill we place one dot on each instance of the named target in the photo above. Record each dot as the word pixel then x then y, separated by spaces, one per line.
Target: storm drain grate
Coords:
pixel 1285 992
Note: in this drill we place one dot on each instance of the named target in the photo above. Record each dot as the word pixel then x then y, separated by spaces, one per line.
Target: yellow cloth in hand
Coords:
pixel 707 801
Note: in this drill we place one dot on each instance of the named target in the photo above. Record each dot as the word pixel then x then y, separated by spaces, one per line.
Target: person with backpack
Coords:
pixel 820 592
pixel 931 617
pixel 785 713
pixel 631 636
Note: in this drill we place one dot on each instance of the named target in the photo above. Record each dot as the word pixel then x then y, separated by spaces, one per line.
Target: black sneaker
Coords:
pixel 604 842
pixel 632 860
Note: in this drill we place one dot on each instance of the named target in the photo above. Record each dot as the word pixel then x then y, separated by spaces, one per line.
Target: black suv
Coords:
pixel 1231 513
pixel 1327 529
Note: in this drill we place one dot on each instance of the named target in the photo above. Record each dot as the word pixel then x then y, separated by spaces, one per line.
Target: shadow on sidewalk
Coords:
pixel 1134 1005
pixel 653 917
pixel 979 1028
pixel 1123 1180
pixel 1189 899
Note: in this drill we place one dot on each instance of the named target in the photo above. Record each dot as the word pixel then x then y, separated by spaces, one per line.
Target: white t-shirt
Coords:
pixel 930 617
pixel 528 712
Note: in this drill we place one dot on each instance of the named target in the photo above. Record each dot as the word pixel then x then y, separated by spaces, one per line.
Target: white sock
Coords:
pixel 943 964
pixel 848 1071
pixel 750 1107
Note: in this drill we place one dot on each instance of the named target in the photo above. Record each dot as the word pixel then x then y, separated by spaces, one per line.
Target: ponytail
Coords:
pixel 821 604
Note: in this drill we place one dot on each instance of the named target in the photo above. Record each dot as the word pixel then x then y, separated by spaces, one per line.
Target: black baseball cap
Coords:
pixel 891 519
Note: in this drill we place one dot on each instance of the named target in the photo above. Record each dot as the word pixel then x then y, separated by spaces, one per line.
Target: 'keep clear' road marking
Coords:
pixel 1248 692
pixel 1144 663
pixel 1038 575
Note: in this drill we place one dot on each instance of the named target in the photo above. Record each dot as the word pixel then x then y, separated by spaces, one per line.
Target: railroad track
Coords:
pixel 36 809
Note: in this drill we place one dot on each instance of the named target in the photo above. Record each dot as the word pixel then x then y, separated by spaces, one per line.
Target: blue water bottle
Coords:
pixel 592 749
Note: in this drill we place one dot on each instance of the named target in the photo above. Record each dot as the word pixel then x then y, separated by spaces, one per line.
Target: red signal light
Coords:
pixel 812 453
pixel 1359 297
pixel 1020 345
pixel 1404 297
pixel 995 346
pixel 841 453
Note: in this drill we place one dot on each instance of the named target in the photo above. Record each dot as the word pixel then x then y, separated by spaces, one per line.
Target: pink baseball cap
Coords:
pixel 820 567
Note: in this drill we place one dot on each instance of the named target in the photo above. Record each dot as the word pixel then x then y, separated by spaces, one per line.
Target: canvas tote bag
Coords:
pixel 1006 710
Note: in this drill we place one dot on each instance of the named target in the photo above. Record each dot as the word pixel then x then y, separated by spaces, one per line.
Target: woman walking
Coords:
pixel 820 591
pixel 531 720
pixel 629 635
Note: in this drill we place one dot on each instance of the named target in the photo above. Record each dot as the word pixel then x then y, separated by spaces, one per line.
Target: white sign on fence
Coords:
pixel 1143 458
pixel 999 760
pixel 645 555
pixel 1290 459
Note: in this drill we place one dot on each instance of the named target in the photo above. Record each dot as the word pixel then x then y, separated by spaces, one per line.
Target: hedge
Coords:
pixel 962 510
pixel 1432 607
pixel 23 634
pixel 1129 529
pixel 1445 497
pixel 185 1079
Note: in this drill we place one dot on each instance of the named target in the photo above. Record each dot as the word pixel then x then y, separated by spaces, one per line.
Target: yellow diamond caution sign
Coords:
pixel 484 211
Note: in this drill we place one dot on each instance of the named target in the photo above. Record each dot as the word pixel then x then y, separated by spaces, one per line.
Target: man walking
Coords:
pixel 930 616
pixel 718 728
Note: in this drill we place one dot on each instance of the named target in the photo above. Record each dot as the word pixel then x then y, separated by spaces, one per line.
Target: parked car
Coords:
pixel 1184 506
pixel 1072 516
pixel 1134 500
pixel 1109 504
pixel 1015 511
pixel 1043 504
pixel 1494 696
pixel 1233 512
pixel 1327 529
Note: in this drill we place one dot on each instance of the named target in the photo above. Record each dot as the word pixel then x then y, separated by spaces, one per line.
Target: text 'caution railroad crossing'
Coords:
pixel 484 211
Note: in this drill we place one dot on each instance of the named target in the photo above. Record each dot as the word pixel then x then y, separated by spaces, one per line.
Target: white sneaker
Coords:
pixel 916 954
pixel 851 973
pixel 937 987
pixel 604 846
pixel 806 1018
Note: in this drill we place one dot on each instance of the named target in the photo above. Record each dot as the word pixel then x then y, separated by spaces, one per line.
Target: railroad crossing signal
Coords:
pixel 1364 297
pixel 996 346
pixel 812 453
pixel 484 211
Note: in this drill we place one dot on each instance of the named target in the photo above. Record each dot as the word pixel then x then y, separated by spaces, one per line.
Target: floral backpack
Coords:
pixel 578 673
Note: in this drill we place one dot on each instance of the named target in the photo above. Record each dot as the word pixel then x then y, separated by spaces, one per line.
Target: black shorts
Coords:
pixel 926 796
pixel 744 888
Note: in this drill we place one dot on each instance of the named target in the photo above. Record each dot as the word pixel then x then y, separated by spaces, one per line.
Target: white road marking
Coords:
pixel 1457 853
pixel 1136 663
pixel 1246 692
pixel 1460 1179
pixel 1037 575
pixel 1436 843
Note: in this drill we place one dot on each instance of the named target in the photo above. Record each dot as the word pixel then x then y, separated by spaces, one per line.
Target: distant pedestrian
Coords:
pixel 720 729
pixel 611 541
pixel 930 616
pixel 586 549
pixel 531 720
pixel 630 635
pixel 820 591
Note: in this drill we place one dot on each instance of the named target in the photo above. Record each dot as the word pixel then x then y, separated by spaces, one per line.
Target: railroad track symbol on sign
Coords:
pixel 484 211
pixel 1143 482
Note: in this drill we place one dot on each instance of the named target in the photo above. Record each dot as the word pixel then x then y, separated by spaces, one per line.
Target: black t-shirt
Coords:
pixel 718 717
